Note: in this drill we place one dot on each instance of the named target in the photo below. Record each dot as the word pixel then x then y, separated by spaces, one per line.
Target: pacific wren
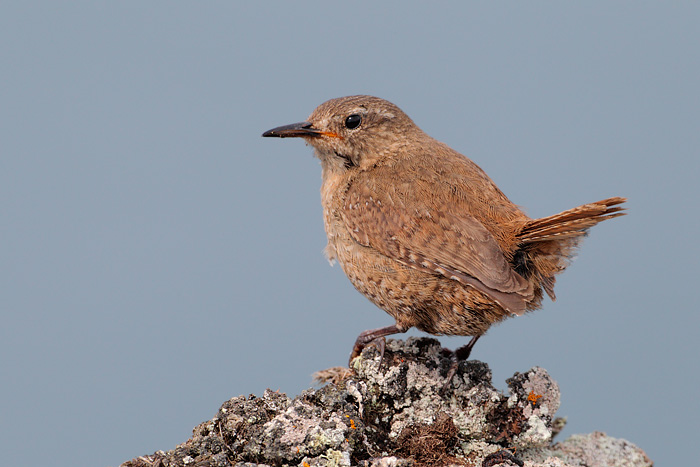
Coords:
pixel 423 232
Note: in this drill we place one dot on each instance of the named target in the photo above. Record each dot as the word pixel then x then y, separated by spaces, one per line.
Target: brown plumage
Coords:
pixel 423 232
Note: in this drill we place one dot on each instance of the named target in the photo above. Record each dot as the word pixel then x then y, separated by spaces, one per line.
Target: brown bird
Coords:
pixel 423 232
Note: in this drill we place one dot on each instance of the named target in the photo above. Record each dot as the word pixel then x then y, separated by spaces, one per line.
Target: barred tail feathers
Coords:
pixel 572 222
pixel 550 243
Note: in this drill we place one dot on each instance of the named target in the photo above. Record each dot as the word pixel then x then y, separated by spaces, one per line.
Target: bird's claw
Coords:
pixel 361 344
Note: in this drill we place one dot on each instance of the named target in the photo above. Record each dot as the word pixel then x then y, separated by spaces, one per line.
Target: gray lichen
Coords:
pixel 396 411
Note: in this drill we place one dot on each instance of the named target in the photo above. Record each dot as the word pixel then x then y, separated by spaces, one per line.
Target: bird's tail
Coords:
pixel 572 222
pixel 548 244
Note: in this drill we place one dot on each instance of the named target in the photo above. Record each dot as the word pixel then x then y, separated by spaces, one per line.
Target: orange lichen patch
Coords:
pixel 532 397
pixel 352 423
pixel 330 134
pixel 306 464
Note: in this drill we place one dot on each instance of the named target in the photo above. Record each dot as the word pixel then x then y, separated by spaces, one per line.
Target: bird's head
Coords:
pixel 353 131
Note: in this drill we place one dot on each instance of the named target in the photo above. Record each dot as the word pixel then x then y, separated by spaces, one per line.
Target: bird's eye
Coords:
pixel 353 121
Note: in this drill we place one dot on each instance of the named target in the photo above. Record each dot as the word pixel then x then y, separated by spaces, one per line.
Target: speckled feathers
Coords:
pixel 422 231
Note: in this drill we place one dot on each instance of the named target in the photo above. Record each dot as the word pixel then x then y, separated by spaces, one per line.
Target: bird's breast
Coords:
pixel 332 188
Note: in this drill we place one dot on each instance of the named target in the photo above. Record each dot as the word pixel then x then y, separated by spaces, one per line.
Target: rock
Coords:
pixel 599 450
pixel 396 411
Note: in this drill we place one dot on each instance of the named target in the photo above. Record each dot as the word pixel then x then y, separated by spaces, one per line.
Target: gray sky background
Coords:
pixel 159 256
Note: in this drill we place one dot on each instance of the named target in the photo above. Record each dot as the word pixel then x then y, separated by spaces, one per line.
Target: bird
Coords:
pixel 423 232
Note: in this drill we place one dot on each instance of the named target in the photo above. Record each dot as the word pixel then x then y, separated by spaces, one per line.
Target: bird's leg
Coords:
pixel 463 352
pixel 459 355
pixel 373 337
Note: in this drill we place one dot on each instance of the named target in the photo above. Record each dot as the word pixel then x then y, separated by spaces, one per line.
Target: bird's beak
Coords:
pixel 293 130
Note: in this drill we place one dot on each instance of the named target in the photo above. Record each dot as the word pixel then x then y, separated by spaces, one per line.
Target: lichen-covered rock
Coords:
pixel 398 411
pixel 599 450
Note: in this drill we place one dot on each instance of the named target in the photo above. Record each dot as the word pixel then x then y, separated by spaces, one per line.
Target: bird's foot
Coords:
pixel 373 337
pixel 378 342
pixel 458 356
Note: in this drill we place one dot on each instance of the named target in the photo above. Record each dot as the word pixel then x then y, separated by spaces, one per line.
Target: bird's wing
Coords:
pixel 433 240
